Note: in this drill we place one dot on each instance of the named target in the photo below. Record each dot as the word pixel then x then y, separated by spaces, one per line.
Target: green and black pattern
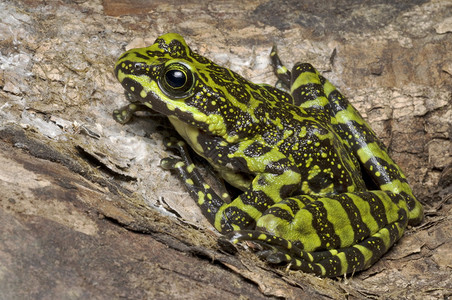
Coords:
pixel 300 157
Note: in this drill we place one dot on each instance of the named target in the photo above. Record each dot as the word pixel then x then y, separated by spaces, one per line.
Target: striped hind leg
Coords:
pixel 328 263
pixel 329 236
pixel 311 91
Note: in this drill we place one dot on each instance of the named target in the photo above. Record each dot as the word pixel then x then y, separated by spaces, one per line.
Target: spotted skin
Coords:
pixel 299 157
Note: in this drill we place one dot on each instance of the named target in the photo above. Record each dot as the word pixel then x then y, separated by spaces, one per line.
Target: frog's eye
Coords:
pixel 176 80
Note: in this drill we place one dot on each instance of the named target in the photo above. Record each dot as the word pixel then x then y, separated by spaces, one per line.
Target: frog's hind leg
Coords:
pixel 328 263
pixel 280 70
pixel 330 236
pixel 310 90
pixel 358 257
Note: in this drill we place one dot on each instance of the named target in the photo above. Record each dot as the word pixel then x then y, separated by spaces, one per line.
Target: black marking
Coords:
pixel 320 255
pixel 332 265
pixel 124 55
pixel 319 181
pixel 300 68
pixel 239 92
pixel 288 190
pixel 236 216
pixel 139 55
pixel 388 171
pixel 360 229
pixel 325 229
pixel 258 199
pixel 256 149
pixel 337 102
pixel 130 84
pixel 279 213
pixel 293 204
pixel 200 59
pixel 377 209
pixel 280 167
pixel 158 54
pixel 355 259
pixel 308 92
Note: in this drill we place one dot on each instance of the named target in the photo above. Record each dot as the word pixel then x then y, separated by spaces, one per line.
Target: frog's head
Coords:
pixel 179 83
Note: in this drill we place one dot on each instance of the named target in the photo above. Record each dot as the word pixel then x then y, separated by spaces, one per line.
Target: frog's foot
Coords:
pixel 279 251
pixel 275 250
pixel 183 166
pixel 180 147
pixel 327 263
pixel 207 198
pixel 124 114
pixel 283 74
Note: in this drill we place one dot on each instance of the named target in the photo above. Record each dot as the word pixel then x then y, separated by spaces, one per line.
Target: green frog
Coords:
pixel 318 190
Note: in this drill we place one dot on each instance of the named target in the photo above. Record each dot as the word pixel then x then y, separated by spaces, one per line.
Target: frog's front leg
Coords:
pixel 275 181
pixel 124 114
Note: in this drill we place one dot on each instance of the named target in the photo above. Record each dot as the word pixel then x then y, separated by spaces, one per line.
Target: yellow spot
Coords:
pixel 282 70
pixel 179 164
pixel 262 237
pixel 201 199
pixel 190 168
pixel 143 94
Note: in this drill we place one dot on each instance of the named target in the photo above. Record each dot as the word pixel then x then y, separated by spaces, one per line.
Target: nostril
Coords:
pixel 138 66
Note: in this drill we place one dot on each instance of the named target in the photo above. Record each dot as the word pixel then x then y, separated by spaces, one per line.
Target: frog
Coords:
pixel 318 191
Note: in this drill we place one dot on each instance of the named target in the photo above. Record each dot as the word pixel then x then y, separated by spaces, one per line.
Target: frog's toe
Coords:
pixel 173 143
pixel 226 245
pixel 170 163
pixel 122 116
pixel 277 258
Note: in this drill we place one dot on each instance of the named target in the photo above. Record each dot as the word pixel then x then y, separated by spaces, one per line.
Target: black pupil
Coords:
pixel 175 78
